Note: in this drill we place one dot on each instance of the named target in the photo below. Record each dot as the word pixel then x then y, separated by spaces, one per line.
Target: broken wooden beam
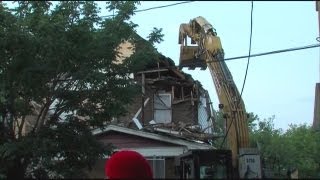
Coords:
pixel 152 71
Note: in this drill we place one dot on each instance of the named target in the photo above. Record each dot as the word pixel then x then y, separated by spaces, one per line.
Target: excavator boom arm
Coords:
pixel 209 50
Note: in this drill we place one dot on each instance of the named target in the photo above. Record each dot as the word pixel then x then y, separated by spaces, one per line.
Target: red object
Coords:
pixel 127 165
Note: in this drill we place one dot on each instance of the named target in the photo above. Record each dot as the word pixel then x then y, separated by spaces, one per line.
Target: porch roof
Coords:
pixel 154 136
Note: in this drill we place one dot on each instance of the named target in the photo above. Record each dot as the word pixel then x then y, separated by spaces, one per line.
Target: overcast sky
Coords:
pixel 281 84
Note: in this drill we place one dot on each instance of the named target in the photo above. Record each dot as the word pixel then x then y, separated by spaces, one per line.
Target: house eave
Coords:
pixel 153 136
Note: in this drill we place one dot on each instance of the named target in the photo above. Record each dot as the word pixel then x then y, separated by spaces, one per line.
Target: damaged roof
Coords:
pixel 158 60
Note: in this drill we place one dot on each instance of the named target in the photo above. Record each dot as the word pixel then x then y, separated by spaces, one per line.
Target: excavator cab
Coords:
pixel 188 58
pixel 205 164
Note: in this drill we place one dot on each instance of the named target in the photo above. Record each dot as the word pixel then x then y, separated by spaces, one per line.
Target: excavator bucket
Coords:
pixel 188 59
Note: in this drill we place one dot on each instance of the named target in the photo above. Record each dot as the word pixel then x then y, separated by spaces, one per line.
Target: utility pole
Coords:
pixel 316 116
pixel 318 39
pixel 142 98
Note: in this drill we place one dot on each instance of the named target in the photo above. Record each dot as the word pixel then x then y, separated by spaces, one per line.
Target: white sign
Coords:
pixel 250 166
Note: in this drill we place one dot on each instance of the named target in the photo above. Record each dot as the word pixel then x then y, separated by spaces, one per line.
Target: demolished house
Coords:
pixel 170 102
pixel 171 115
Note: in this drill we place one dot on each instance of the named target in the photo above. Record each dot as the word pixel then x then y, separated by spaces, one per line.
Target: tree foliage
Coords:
pixel 60 77
pixel 220 128
pixel 155 36
pixel 280 151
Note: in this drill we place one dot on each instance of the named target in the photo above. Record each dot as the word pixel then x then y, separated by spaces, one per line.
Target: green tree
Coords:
pixel 58 70
pixel 220 127
pixel 270 144
pixel 302 144
pixel 280 151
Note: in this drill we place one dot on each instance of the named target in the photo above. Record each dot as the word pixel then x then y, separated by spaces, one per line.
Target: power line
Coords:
pixel 261 54
pixel 244 82
pixel 246 73
pixel 270 52
pixel 156 7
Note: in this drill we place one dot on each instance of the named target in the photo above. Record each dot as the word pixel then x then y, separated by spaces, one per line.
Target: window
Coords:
pixel 162 108
pixel 158 167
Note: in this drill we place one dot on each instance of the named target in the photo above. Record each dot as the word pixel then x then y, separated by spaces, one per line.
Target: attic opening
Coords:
pixel 180 89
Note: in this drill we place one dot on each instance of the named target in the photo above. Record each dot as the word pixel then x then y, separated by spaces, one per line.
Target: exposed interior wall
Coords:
pixel 184 102
pixel 185 112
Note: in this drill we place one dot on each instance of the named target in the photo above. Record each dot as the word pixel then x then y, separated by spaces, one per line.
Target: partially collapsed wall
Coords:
pixel 170 101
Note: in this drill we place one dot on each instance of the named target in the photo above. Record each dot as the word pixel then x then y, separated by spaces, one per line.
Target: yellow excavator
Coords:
pixel 206 51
